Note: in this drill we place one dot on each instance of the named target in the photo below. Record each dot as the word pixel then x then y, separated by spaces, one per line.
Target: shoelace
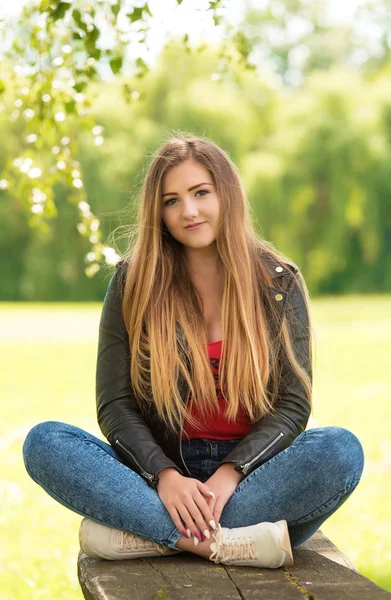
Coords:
pixel 232 549
pixel 129 541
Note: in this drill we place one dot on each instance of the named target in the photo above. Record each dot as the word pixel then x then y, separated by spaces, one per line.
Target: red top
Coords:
pixel 217 427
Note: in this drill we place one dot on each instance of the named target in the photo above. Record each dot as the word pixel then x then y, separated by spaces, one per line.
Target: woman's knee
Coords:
pixel 343 449
pixel 37 444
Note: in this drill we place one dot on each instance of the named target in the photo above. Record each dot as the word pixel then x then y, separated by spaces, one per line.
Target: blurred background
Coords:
pixel 299 94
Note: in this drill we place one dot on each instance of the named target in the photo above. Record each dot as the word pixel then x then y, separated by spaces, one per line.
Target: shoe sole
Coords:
pixel 285 543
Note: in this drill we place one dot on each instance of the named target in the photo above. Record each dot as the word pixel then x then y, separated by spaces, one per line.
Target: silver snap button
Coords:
pixel 278 297
pixel 279 269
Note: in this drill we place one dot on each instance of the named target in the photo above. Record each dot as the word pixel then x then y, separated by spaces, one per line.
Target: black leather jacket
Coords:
pixel 143 442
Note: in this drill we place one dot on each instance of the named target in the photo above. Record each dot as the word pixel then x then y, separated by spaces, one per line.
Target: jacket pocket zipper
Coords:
pixel 246 466
pixel 144 473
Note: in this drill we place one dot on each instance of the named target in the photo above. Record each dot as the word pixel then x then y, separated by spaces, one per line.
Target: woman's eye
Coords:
pixel 169 200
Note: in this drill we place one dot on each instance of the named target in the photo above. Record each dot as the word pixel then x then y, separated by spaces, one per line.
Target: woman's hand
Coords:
pixel 223 483
pixel 184 498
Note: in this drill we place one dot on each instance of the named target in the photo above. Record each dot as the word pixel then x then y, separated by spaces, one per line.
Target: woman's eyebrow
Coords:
pixel 189 190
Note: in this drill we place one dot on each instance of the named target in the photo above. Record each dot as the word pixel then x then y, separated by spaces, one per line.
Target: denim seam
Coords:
pixel 321 509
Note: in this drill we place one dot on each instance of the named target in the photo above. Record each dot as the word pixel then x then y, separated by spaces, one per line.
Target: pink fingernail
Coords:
pixel 197 535
pixel 184 533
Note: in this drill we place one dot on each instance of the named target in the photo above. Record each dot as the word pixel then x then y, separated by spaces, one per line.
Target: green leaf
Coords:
pixel 115 8
pixel 142 66
pixel 94 33
pixel 44 6
pixel 76 14
pixel 80 85
pixel 70 106
pixel 91 71
pixel 94 52
pixel 116 64
pixel 90 42
pixel 147 9
pixel 136 15
pixel 59 11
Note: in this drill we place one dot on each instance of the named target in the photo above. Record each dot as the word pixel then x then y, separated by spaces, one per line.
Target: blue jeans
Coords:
pixel 304 484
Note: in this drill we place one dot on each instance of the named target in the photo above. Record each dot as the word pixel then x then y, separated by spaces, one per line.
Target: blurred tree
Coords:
pixel 297 37
pixel 58 50
pixel 300 144
pixel 315 165
pixel 322 178
pixel 113 170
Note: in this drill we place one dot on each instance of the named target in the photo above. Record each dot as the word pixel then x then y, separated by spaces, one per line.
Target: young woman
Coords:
pixel 203 388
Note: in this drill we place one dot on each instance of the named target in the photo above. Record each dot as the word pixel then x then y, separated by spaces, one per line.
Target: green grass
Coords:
pixel 48 355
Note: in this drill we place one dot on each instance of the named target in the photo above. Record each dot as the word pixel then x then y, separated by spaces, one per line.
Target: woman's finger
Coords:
pixel 188 519
pixel 209 513
pixel 197 507
pixel 206 514
pixel 212 505
pixel 204 489
pixel 176 517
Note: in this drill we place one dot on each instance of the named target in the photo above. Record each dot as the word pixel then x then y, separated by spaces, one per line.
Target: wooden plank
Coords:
pixel 322 545
pixel 215 581
pixel 176 577
pixel 319 578
pixel 117 580
pixel 270 584
pixel 162 577
pixel 320 572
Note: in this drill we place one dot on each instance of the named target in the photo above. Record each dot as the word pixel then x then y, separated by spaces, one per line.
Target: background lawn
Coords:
pixel 48 355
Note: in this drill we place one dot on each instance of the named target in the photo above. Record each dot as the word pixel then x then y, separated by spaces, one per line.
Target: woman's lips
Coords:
pixel 194 227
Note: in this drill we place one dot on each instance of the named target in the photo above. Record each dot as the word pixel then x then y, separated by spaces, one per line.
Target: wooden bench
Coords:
pixel 320 572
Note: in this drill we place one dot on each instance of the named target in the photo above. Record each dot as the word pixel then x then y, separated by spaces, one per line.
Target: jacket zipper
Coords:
pixel 144 473
pixel 246 466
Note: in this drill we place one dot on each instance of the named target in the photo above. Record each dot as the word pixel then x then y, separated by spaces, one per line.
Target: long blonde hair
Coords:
pixel 162 308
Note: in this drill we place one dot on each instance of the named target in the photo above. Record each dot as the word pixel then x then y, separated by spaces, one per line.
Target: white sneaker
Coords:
pixel 102 541
pixel 264 545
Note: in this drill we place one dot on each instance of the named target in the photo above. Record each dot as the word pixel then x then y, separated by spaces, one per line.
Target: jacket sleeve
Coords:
pixel 275 432
pixel 118 413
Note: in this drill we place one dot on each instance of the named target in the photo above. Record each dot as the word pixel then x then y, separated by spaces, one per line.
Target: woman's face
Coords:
pixel 185 201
